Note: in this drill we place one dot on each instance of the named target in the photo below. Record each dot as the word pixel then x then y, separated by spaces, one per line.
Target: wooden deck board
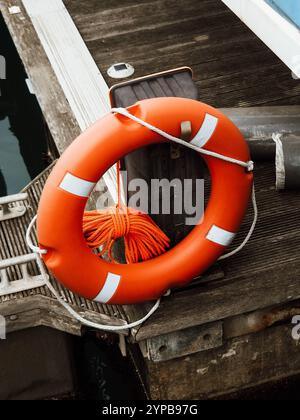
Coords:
pixel 232 67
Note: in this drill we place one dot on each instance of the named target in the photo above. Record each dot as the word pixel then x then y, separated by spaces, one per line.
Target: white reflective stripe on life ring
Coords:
pixel 77 186
pixel 220 236
pixel 206 131
pixel 109 289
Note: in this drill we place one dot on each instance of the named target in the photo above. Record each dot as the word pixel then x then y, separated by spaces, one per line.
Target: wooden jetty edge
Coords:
pixel 202 330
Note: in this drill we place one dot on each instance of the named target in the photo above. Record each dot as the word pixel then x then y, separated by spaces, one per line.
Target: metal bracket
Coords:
pixel 14 10
pixel 7 211
pixel 122 345
pixel 186 133
pixel 183 343
pixel 26 282
pixel 186 130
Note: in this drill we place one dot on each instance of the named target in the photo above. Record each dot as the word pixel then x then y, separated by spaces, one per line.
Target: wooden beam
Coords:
pixel 75 69
pixel 40 310
pixel 241 363
pixel 214 304
pixel 261 122
pixel 81 80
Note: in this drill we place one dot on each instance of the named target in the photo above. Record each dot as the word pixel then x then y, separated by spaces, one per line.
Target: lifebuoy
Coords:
pixel 67 190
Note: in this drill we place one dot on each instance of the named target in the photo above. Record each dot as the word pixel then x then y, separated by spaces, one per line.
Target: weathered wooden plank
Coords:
pixel 246 86
pixel 42 317
pixel 198 339
pixel 258 125
pixel 262 122
pixel 241 363
pixel 60 323
pixel 208 305
pixel 197 54
pixel 254 322
pixel 236 85
pixel 136 16
pixel 89 6
pixel 264 93
pixel 177 43
pixel 28 319
pixel 40 310
pixel 75 69
pixel 222 50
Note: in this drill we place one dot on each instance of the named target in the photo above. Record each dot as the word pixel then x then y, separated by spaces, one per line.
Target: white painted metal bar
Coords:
pixel 27 281
pixel 13 198
pixel 11 262
pixel 275 30
pixel 7 211
pixel 74 66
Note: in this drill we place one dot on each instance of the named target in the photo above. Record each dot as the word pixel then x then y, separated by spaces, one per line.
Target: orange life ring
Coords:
pixel 67 190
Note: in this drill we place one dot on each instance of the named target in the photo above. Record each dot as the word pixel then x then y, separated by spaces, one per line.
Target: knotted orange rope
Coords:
pixel 143 238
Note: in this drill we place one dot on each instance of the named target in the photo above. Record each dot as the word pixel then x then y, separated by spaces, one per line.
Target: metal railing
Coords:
pixel 10 210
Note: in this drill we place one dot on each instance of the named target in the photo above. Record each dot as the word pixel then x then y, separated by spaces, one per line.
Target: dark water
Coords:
pixel 23 145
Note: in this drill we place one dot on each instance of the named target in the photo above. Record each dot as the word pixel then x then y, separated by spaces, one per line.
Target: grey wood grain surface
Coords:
pixel 232 67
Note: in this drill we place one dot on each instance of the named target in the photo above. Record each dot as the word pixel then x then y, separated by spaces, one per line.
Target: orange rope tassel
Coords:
pixel 143 238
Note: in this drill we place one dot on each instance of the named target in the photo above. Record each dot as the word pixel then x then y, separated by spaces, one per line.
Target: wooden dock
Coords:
pixel 201 342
